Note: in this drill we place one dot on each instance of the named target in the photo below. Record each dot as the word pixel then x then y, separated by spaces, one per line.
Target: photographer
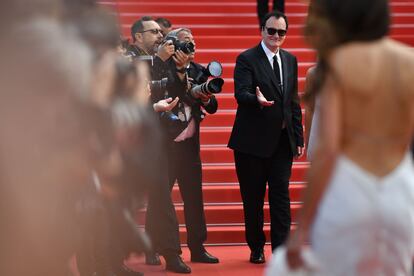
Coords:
pixel 161 220
pixel 184 164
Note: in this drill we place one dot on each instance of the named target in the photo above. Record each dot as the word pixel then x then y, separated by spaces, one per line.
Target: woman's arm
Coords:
pixel 309 106
pixel 321 168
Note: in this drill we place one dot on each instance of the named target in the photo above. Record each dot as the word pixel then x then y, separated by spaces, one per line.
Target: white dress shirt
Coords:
pixel 270 56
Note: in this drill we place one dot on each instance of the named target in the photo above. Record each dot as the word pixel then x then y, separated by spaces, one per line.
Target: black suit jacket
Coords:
pixel 257 129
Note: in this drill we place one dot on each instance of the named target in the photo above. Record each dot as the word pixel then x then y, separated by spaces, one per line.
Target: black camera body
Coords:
pixel 185 46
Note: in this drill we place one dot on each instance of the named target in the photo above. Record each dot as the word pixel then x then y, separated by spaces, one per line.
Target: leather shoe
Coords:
pixel 152 259
pixel 176 264
pixel 204 257
pixel 257 256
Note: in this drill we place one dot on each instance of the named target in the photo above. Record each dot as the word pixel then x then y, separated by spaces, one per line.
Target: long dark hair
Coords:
pixel 332 23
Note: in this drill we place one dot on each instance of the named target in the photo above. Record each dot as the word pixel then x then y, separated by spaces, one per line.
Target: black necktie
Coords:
pixel 276 69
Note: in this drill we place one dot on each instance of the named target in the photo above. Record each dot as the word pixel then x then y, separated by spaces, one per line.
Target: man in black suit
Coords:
pixel 267 132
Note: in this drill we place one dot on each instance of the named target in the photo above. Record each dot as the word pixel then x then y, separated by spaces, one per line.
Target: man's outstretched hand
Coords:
pixel 261 99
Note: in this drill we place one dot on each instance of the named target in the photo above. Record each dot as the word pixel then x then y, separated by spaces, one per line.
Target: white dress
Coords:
pixel 365 224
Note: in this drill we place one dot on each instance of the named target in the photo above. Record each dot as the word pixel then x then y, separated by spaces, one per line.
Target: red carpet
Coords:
pixel 233 261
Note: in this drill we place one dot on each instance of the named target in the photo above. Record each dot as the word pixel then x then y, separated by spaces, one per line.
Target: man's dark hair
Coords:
pixel 164 22
pixel 138 26
pixel 276 14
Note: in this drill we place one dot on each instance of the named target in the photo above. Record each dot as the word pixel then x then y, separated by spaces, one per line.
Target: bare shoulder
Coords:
pixel 401 48
pixel 404 56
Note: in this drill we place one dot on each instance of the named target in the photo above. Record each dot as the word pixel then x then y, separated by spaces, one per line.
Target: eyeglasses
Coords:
pixel 153 31
pixel 273 31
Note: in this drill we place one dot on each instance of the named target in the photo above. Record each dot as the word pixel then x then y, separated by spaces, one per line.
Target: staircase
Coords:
pixel 222 29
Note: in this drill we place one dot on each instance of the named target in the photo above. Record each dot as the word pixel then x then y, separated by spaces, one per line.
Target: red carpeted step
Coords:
pixel 224 118
pixel 407 39
pixel 227 173
pixel 156 7
pixel 227 234
pixel 181 19
pixel 231 214
pixel 216 155
pixel 214 135
pixel 227 101
pixel 243 41
pixel 222 154
pixel 230 193
pixel 223 214
pixel 253 29
pixel 230 55
pixel 228 87
pixel 228 68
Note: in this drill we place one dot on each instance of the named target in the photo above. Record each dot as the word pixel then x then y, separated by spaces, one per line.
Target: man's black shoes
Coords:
pixel 204 257
pixel 176 264
pixel 152 259
pixel 257 256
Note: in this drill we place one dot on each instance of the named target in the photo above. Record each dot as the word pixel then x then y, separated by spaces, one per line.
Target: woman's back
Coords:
pixel 377 95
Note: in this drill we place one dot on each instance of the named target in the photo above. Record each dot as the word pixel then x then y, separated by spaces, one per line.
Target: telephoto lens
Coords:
pixel 213 86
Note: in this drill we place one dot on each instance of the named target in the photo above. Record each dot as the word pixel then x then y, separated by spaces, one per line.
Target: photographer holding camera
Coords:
pixel 161 220
pixel 184 164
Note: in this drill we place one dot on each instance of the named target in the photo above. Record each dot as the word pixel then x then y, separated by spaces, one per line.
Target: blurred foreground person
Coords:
pixel 61 130
pixel 44 144
pixel 359 206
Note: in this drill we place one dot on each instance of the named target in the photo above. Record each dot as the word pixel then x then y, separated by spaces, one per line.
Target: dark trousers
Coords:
pixel 263 7
pixel 184 165
pixel 253 174
pixel 161 220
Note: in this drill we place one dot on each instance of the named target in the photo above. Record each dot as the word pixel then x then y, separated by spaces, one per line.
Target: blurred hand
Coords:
pixel 181 59
pixel 166 50
pixel 261 99
pixel 165 105
pixel 293 253
pixel 301 151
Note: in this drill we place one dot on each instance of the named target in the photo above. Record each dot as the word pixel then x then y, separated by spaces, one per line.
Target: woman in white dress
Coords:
pixel 358 211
